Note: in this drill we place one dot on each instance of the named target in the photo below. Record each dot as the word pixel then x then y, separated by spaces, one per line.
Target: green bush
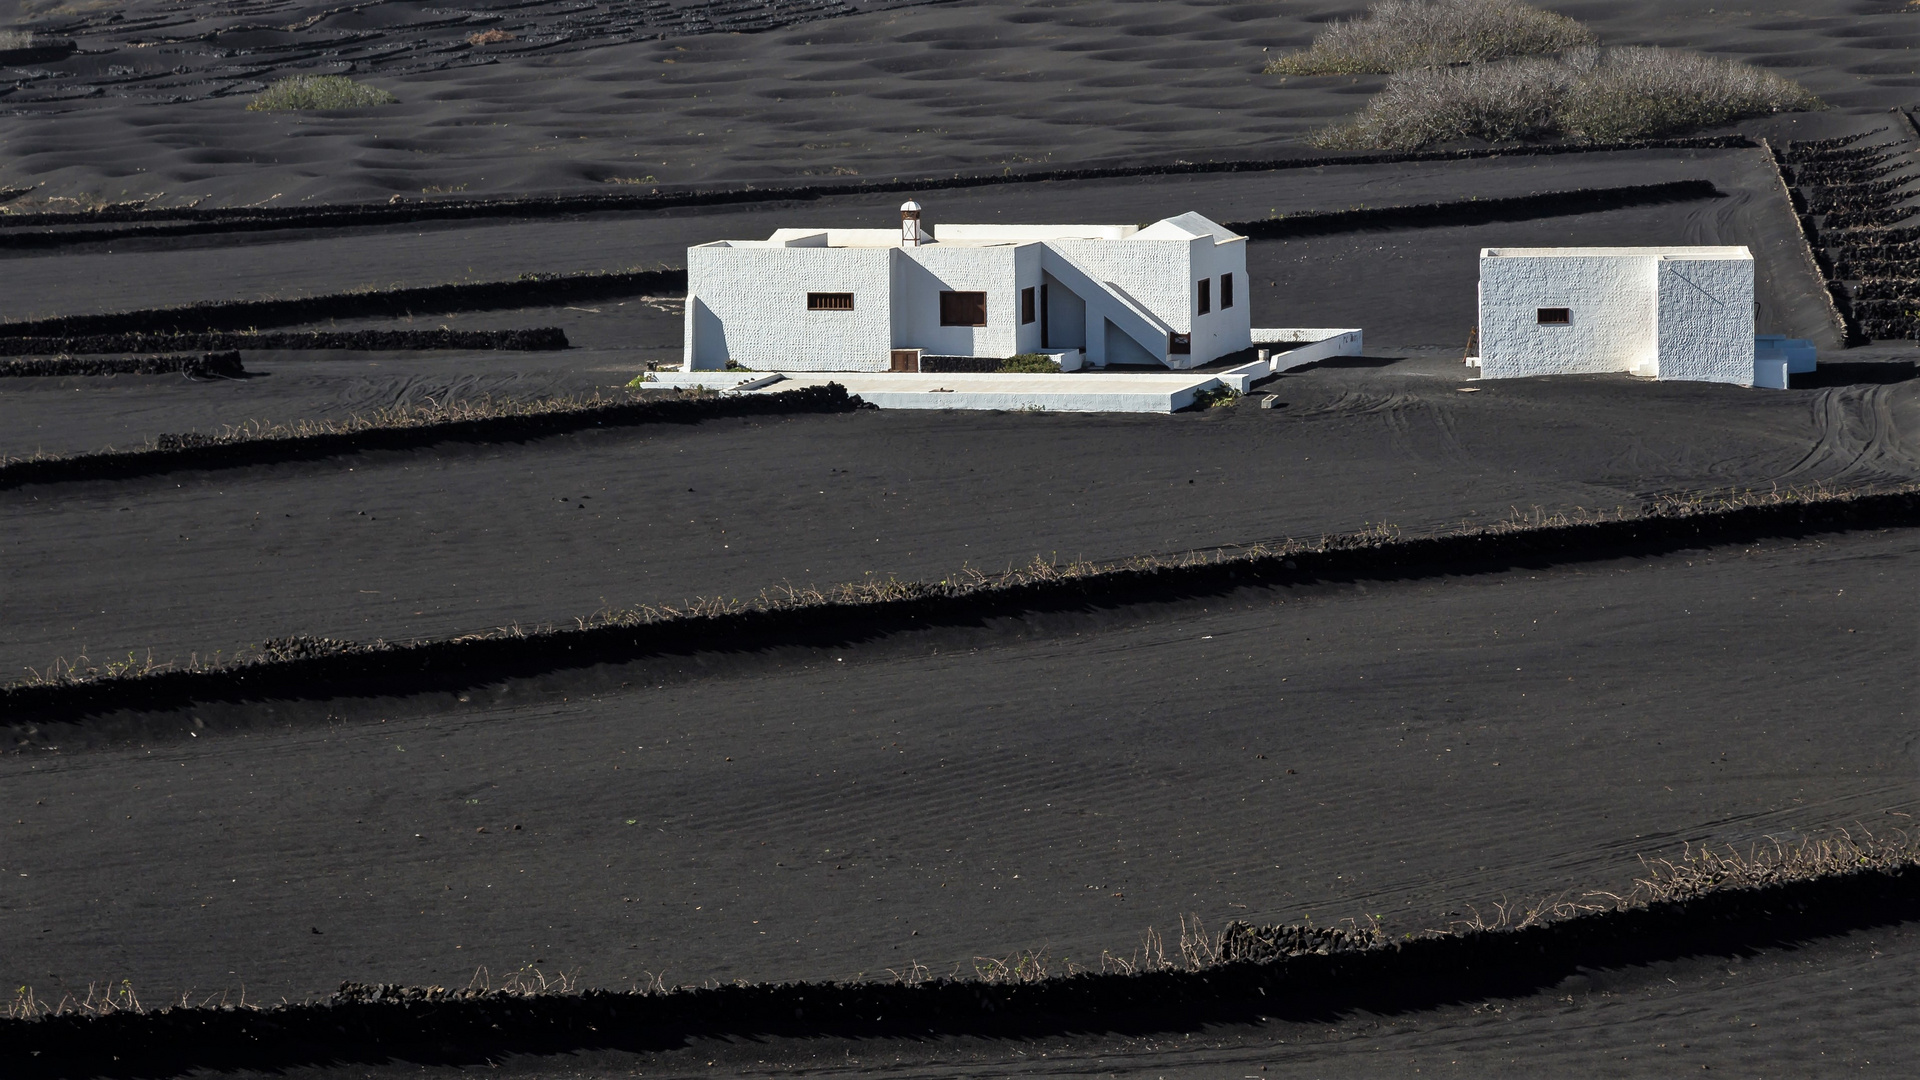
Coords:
pixel 1027 363
pixel 318 92
pixel 1216 397
pixel 1599 95
pixel 1399 35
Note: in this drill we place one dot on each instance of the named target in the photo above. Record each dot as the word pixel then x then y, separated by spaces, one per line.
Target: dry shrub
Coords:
pixel 389 417
pixel 1636 92
pixel 15 39
pixel 1703 871
pixel 1598 95
pixel 1026 966
pixel 302 92
pixel 1699 871
pixel 489 37
pixel 1398 35
pixel 102 999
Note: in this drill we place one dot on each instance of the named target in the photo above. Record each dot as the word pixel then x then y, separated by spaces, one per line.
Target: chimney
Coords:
pixel 910 235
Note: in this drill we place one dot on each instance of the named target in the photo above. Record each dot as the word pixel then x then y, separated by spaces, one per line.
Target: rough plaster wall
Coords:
pixel 1101 308
pixel 1157 274
pixel 1706 320
pixel 759 298
pixel 924 272
pixel 1225 330
pixel 1613 303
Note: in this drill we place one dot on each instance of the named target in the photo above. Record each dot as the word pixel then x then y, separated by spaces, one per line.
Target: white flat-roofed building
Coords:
pixel 1172 294
pixel 1682 313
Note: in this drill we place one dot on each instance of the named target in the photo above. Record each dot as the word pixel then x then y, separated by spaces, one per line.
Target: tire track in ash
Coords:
pixel 1401 412
pixel 1860 436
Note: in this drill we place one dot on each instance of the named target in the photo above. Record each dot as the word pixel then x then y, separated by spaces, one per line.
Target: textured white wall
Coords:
pixel 1706 320
pixel 1156 274
pixel 749 305
pixel 1139 336
pixel 1686 314
pixel 1612 299
pixel 924 272
pixel 1225 330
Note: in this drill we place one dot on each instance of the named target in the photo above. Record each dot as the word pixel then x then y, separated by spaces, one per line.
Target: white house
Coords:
pixel 1174 294
pixel 1670 313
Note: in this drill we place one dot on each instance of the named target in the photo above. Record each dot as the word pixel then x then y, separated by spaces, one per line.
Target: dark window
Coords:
pixel 1556 316
pixel 1027 305
pixel 1206 295
pixel 1179 344
pixel 829 301
pixel 1226 291
pixel 963 309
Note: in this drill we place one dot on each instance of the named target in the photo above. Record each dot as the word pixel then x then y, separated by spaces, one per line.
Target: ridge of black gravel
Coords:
pixel 204 365
pixel 173 453
pixel 306 668
pixel 531 339
pixel 528 290
pixel 19 231
pixel 1475 211
pixel 430 1026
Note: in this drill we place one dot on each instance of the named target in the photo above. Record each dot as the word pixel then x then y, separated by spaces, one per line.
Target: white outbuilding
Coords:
pixel 1172 294
pixel 1682 313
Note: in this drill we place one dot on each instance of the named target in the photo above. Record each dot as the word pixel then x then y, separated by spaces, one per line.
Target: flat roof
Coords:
pixel 1183 228
pixel 1721 252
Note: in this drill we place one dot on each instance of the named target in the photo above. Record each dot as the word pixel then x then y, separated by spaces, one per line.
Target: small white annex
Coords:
pixel 1683 313
pixel 1173 294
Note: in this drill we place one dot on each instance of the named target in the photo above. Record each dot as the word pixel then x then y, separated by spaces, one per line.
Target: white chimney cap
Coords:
pixel 909 205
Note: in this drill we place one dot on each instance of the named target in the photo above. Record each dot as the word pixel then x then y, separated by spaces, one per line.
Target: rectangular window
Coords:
pixel 1556 316
pixel 1179 344
pixel 1206 295
pixel 1226 291
pixel 1026 305
pixel 829 301
pixel 963 309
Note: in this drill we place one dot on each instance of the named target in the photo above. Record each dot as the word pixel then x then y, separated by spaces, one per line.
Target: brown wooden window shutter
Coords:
pixel 1027 305
pixel 963 309
pixel 1206 295
pixel 1226 291
pixel 829 301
